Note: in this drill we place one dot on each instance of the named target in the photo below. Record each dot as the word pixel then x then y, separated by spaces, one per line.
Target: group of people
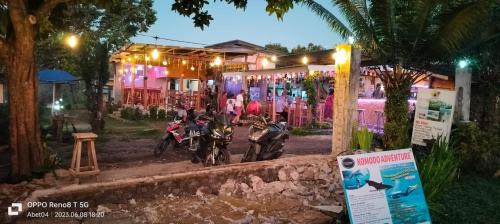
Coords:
pixel 232 106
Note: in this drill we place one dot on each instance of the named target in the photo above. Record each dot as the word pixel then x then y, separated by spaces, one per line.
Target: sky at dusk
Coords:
pixel 254 25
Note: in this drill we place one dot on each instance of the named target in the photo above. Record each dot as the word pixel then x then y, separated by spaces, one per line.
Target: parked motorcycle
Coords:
pixel 188 141
pixel 220 136
pixel 267 140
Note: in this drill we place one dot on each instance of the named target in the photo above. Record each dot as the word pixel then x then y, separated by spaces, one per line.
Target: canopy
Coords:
pixel 55 76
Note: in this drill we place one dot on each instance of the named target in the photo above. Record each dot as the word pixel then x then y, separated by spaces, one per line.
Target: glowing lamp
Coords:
pixel 265 62
pixel 72 41
pixel 166 72
pixel 149 66
pixel 217 61
pixel 463 63
pixel 192 68
pixel 274 58
pixel 351 39
pixel 305 60
pixel 147 58
pixel 155 54
pixel 184 62
pixel 164 62
pixel 340 56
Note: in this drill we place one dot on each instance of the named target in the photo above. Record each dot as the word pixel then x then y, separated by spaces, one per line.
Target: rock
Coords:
pixel 282 176
pixel 244 187
pixel 151 215
pixel 294 175
pixel 300 169
pixel 199 193
pixel 330 210
pixel 257 182
pixel 102 208
pixel 228 188
pixel 132 202
pixel 308 174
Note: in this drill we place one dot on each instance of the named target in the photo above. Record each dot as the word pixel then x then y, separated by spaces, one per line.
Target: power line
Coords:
pixel 174 40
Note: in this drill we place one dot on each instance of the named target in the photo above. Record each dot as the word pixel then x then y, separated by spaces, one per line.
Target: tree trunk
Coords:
pixel 396 115
pixel 24 131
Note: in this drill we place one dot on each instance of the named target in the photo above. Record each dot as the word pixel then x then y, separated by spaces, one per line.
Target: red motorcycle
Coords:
pixel 188 141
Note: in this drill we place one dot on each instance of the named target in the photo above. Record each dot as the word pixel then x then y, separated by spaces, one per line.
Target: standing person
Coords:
pixel 239 108
pixel 282 107
pixel 329 105
pixel 378 93
pixel 229 110
pixel 223 102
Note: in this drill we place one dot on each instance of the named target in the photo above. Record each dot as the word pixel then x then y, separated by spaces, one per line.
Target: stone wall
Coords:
pixel 315 180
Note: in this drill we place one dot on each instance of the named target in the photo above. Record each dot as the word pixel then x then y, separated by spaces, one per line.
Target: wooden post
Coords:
pixel 463 90
pixel 132 83
pixel 198 97
pixel 274 98
pixel 145 85
pixel 346 95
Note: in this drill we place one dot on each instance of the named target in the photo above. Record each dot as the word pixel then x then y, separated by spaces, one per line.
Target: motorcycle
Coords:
pixel 220 136
pixel 267 140
pixel 188 141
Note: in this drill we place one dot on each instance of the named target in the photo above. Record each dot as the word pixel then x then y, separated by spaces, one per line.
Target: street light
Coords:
pixel 72 41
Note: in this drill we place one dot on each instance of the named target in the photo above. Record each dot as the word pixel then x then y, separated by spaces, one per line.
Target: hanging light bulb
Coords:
pixel 166 72
pixel 129 59
pixel 274 58
pixel 147 58
pixel 265 62
pixel 184 62
pixel 211 64
pixel 155 54
pixel 135 56
pixel 305 60
pixel 218 61
pixel 149 66
pixel 164 62
pixel 192 68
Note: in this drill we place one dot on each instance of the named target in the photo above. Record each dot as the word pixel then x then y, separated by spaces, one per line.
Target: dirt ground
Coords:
pixel 128 143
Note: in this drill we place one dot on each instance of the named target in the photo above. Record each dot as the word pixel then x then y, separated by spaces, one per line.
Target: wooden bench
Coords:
pixel 92 168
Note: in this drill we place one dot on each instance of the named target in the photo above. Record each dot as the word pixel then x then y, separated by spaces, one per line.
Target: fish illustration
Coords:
pixel 378 186
pixel 399 194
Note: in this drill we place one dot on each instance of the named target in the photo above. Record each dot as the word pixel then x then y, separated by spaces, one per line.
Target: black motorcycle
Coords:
pixel 267 140
pixel 216 143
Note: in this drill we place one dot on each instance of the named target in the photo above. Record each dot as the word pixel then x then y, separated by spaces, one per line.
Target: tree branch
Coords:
pixel 47 6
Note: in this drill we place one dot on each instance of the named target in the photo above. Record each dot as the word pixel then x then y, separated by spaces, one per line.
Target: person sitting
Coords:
pixel 253 108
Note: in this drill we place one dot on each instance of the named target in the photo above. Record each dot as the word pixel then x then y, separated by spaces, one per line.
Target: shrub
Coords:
pixel 298 131
pixel 438 170
pixel 137 114
pixel 162 114
pixel 354 136
pixel 127 113
pixel 153 112
pixel 365 139
pixel 478 149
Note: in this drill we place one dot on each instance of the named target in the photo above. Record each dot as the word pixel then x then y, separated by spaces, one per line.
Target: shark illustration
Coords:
pixel 378 186
pixel 398 175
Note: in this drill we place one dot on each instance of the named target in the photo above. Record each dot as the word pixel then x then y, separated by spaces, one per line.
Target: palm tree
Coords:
pixel 405 37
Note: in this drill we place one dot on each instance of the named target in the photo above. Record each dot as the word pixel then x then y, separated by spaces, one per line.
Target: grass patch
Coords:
pixel 472 199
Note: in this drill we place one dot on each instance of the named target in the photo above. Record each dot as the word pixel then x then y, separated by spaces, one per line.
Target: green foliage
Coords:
pixel 310 48
pixel 478 149
pixel 299 131
pixel 472 199
pixel 153 112
pixel 365 139
pixel 396 118
pixel 276 47
pixel 438 170
pixel 130 114
pixel 162 114
pixel 195 9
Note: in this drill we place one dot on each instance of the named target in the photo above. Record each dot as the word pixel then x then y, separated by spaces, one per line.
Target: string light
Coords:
pixel 164 62
pixel 218 61
pixel 72 41
pixel 265 62
pixel 184 62
pixel 305 60
pixel 192 68
pixel 274 58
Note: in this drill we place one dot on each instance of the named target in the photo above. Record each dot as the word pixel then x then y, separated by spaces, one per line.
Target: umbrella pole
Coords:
pixel 53 97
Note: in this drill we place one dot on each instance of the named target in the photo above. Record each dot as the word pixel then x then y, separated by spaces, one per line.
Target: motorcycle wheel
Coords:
pixel 224 157
pixel 161 147
pixel 250 155
pixel 209 159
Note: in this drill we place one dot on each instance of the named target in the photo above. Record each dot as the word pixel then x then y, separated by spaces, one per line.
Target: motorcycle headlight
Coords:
pixel 216 134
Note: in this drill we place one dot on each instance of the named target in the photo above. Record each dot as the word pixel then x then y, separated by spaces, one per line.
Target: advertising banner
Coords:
pixel 383 187
pixel 433 115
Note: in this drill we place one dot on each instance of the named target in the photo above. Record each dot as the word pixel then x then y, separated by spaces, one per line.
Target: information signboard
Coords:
pixel 433 115
pixel 383 187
